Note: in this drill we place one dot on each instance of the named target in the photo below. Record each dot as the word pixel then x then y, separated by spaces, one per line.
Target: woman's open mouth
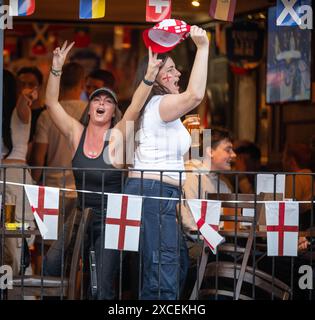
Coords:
pixel 100 111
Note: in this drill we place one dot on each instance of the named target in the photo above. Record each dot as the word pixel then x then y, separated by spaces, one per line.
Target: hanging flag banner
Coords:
pixel 282 220
pixel 207 217
pixel 44 202
pixel 92 9
pixel 122 223
pixel 158 10
pixel 166 35
pixel 21 7
pixel 222 9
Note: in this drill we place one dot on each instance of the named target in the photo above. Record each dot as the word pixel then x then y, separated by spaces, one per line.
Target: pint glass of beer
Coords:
pixel 192 121
pixel 9 209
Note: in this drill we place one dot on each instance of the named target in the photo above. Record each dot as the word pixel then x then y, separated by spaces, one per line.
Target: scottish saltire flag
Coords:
pixel 21 7
pixel 222 9
pixel 289 12
pixel 92 9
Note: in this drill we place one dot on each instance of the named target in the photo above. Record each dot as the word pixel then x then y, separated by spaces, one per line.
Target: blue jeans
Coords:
pixel 163 249
pixel 107 261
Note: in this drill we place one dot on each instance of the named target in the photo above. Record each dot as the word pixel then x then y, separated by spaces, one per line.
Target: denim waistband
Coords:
pixel 151 183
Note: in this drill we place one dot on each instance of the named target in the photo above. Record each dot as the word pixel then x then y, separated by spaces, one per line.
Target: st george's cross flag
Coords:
pixel 207 217
pixel 158 10
pixel 92 9
pixel 122 223
pixel 21 7
pixel 282 220
pixel 44 202
pixel 222 9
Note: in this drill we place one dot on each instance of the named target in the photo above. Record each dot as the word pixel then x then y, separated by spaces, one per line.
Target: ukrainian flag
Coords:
pixel 92 9
pixel 21 7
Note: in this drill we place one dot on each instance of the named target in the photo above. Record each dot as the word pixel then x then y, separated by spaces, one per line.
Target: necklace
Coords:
pixel 92 154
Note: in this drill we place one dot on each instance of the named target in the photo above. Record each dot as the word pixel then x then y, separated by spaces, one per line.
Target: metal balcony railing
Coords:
pixel 240 269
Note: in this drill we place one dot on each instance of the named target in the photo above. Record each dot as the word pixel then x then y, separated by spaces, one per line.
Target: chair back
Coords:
pixel 233 257
pixel 57 286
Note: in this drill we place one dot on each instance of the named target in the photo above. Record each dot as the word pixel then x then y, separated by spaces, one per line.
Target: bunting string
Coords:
pixel 157 198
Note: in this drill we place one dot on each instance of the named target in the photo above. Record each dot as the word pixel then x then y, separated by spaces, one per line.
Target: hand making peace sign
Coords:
pixel 60 55
pixel 153 65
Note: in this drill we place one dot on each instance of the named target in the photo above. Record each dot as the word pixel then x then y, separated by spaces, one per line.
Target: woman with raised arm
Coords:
pixel 94 146
pixel 163 140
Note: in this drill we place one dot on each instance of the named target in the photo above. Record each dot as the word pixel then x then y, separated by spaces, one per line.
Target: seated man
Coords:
pixel 217 157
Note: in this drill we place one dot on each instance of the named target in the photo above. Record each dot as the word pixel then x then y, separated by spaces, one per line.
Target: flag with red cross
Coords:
pixel 282 220
pixel 122 223
pixel 158 10
pixel 44 202
pixel 207 216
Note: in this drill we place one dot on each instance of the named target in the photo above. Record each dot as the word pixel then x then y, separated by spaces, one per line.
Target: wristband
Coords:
pixel 147 82
pixel 55 72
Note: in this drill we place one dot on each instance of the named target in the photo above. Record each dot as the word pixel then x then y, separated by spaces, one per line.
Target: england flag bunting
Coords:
pixel 282 220
pixel 207 218
pixel 122 223
pixel 44 202
pixel 158 10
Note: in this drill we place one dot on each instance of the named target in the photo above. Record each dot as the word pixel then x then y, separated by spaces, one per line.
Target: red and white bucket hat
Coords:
pixel 166 35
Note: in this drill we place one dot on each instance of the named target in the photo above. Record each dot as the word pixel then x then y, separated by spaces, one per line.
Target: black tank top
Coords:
pixel 92 179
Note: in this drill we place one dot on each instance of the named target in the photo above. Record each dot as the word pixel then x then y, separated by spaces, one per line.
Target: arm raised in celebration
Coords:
pixel 63 121
pixel 173 106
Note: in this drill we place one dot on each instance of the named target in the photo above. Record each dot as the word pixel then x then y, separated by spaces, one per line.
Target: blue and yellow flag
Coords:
pixel 92 9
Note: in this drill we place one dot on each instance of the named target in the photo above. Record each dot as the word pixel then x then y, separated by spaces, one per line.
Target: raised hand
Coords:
pixel 27 97
pixel 60 55
pixel 153 65
pixel 303 243
pixel 199 36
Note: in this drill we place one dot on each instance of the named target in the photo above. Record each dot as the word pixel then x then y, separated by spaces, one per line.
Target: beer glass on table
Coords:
pixel 9 209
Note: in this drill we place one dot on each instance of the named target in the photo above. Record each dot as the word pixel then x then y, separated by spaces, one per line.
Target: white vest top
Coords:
pixel 161 145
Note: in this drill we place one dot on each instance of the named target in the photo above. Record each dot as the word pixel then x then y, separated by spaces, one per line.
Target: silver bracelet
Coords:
pixel 56 73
